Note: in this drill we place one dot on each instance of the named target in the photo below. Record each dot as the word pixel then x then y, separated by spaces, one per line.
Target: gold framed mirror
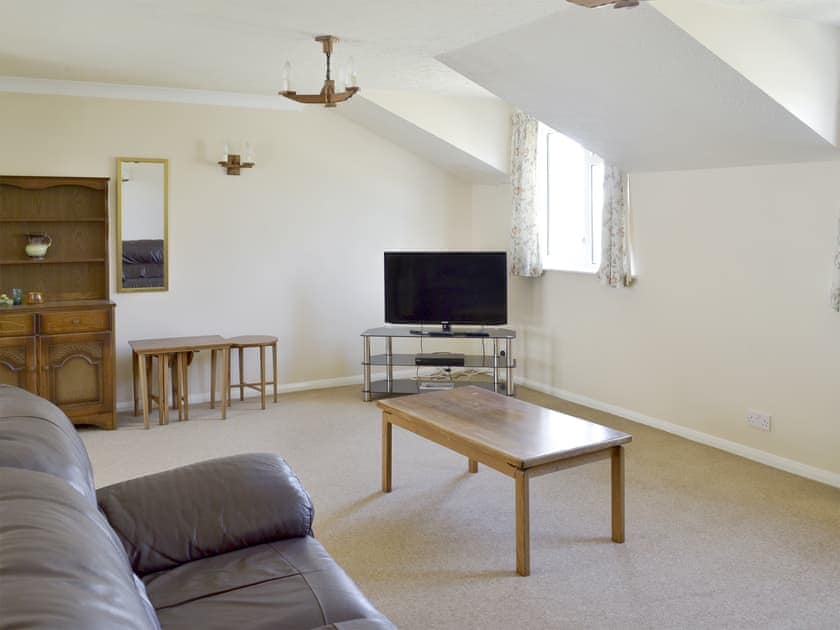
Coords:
pixel 142 224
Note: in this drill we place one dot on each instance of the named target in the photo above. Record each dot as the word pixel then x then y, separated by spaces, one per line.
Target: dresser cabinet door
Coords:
pixel 77 372
pixel 17 362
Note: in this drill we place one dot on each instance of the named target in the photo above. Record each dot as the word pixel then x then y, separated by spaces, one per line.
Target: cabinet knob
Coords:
pixel 76 321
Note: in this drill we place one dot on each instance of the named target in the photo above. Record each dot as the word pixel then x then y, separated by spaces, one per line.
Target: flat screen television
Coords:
pixel 446 288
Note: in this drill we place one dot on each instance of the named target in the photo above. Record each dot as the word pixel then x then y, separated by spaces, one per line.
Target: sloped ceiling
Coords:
pixel 629 84
pixel 635 88
pixel 400 130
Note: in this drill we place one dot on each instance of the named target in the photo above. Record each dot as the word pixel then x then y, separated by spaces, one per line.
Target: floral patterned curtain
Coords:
pixel 835 292
pixel 615 249
pixel 525 250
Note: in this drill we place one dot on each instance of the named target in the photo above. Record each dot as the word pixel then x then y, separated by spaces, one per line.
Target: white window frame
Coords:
pixel 554 261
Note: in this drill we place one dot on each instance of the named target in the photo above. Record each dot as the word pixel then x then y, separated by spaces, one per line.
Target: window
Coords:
pixel 570 200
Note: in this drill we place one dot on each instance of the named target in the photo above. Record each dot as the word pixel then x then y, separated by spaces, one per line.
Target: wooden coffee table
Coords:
pixel 516 438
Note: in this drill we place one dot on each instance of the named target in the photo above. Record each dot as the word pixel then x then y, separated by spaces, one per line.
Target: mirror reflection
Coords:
pixel 142 189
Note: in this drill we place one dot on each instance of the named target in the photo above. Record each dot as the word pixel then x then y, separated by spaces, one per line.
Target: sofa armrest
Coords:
pixel 206 509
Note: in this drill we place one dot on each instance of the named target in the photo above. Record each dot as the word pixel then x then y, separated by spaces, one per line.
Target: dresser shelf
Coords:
pixel 51 261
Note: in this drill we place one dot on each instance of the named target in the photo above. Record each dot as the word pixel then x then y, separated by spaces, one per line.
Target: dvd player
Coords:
pixel 434 385
pixel 439 358
pixel 449 333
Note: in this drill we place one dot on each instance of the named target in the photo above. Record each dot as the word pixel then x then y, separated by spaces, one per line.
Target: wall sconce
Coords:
pixel 232 162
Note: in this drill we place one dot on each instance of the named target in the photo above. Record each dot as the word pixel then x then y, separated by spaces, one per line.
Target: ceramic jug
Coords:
pixel 38 244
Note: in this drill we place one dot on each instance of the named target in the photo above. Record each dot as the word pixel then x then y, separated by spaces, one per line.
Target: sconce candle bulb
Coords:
pixel 233 162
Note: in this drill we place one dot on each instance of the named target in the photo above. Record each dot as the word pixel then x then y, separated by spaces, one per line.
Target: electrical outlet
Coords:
pixel 758 420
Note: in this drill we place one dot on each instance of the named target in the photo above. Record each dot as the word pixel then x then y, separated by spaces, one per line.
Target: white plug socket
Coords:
pixel 759 420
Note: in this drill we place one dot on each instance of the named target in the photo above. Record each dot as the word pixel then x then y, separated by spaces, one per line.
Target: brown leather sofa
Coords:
pixel 226 543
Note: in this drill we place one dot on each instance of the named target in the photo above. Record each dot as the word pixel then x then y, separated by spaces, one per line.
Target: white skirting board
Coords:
pixel 282 389
pixel 754 454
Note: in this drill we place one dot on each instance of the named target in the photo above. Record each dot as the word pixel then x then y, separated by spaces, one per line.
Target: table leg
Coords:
pixel 163 408
pixel 523 535
pixel 186 385
pixel 242 374
pixel 274 359
pixel 225 381
pixel 262 376
pixel 213 379
pixel 144 388
pixel 387 429
pixel 473 466
pixel 149 360
pixel 181 368
pixel 175 386
pixel 134 362
pixel 617 466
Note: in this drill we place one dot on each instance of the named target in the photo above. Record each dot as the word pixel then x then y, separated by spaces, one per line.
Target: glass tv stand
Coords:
pixel 497 359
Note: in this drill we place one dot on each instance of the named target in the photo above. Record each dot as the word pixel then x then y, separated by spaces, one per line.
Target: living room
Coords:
pixel 734 224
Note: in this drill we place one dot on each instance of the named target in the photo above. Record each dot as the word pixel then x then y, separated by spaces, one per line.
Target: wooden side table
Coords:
pixel 261 342
pixel 179 348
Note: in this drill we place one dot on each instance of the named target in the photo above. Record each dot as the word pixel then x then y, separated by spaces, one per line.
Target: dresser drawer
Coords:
pixel 74 321
pixel 16 324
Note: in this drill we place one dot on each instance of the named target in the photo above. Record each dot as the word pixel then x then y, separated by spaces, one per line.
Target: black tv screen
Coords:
pixel 453 287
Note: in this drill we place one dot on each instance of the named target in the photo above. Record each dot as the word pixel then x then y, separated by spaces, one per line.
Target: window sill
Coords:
pixel 592 271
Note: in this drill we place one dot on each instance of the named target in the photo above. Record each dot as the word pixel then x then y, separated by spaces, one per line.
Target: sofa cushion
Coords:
pixel 61 565
pixel 292 584
pixel 205 509
pixel 36 435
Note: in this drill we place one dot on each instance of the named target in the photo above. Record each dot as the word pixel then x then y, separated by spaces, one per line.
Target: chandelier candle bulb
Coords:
pixel 351 79
pixel 285 77
pixel 225 153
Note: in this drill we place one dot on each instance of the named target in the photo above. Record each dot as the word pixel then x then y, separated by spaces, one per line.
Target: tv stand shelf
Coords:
pixel 499 360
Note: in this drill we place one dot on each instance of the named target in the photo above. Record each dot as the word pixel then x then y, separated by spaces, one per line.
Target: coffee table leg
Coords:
pixel 386 453
pixel 617 466
pixel 473 466
pixel 523 527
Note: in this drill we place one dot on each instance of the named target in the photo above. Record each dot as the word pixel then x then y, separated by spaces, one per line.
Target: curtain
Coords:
pixel 835 292
pixel 615 243
pixel 525 250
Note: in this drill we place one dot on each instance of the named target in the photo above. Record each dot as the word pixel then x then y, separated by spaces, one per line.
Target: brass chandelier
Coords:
pixel 328 96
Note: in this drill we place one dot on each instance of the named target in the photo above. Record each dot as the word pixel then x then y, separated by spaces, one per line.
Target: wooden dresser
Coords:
pixel 62 349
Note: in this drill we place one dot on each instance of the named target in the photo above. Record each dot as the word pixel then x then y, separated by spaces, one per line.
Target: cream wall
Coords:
pixel 292 247
pixel 730 312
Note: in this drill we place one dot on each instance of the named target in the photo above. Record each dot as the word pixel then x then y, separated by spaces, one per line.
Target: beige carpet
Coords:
pixel 713 540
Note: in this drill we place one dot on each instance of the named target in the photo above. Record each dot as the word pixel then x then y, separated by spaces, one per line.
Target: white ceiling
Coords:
pixel 638 90
pixel 517 50
pixel 241 45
